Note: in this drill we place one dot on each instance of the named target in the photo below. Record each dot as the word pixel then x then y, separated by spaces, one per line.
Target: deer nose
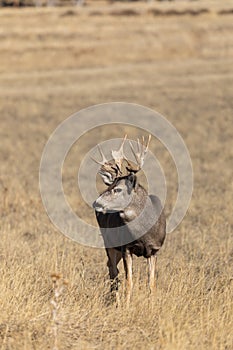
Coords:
pixel 97 206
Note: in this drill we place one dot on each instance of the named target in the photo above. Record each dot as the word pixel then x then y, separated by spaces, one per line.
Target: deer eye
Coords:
pixel 117 190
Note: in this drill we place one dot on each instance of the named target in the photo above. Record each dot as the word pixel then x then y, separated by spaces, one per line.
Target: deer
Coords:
pixel 131 221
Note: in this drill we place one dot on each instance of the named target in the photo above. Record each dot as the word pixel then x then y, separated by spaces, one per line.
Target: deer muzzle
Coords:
pixel 98 207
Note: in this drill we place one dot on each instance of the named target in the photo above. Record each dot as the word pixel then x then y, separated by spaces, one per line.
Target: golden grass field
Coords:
pixel 55 61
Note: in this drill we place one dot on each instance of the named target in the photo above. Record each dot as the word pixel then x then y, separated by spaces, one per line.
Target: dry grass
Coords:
pixel 53 65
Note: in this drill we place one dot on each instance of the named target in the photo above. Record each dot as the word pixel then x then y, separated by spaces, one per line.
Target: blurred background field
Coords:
pixel 172 57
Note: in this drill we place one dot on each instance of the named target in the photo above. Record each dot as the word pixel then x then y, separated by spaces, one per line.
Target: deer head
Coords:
pixel 120 175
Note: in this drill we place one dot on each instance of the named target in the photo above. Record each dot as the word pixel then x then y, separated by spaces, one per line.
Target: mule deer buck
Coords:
pixel 130 220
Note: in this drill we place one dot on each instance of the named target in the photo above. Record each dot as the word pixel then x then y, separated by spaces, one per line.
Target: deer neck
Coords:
pixel 136 205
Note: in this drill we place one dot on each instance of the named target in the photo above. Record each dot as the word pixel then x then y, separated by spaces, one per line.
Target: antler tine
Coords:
pixel 118 156
pixel 134 153
pixel 148 141
pixel 96 161
pixel 142 150
pixel 104 159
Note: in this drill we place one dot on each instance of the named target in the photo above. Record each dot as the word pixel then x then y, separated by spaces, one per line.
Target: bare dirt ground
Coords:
pixel 55 61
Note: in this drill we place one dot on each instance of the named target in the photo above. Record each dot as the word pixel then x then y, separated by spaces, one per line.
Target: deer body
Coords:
pixel 131 222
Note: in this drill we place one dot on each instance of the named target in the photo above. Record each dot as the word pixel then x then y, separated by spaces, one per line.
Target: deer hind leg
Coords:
pixel 128 266
pixel 114 257
pixel 152 270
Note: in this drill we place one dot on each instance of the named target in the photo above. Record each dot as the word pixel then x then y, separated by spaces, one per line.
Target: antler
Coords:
pixel 118 156
pixel 110 170
pixel 140 153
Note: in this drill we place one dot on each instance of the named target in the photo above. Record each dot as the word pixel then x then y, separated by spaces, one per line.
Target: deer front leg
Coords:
pixel 113 259
pixel 151 275
pixel 128 264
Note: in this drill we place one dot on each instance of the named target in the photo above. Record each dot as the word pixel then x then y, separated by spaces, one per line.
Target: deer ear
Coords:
pixel 131 183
